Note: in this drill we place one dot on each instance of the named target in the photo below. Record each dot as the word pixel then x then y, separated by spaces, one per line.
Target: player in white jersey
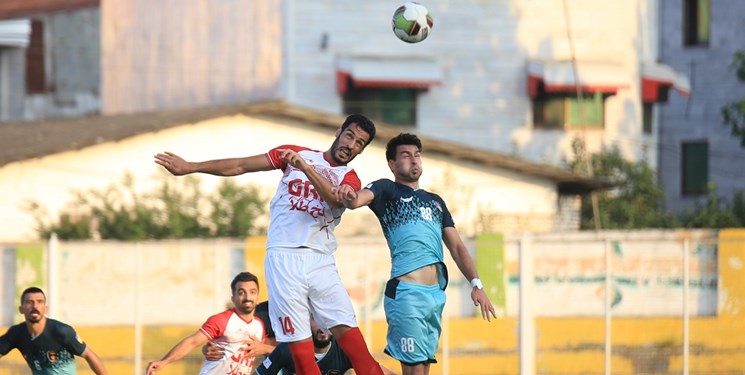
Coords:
pixel 230 330
pixel 300 269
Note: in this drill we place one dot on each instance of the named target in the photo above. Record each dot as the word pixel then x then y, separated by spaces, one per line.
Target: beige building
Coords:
pixel 49 160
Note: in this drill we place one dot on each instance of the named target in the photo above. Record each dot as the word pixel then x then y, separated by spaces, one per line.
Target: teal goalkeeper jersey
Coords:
pixel 412 222
pixel 50 353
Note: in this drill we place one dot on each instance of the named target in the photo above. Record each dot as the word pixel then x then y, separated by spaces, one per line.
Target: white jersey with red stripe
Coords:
pixel 230 332
pixel 299 217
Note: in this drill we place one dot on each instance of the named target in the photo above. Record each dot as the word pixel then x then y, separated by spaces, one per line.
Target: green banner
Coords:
pixel 30 270
pixel 490 264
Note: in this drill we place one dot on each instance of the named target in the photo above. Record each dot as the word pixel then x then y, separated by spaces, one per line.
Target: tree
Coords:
pixel 715 212
pixel 636 201
pixel 733 114
pixel 177 208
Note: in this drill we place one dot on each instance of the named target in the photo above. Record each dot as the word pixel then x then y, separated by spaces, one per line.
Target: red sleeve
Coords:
pixel 273 155
pixel 215 325
pixel 352 180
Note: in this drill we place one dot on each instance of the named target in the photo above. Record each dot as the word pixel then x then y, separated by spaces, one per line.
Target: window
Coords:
pixel 696 22
pixel 564 111
pixel 647 111
pixel 35 71
pixel 396 106
pixel 695 168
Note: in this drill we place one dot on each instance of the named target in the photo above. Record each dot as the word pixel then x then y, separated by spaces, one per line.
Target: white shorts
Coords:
pixel 301 281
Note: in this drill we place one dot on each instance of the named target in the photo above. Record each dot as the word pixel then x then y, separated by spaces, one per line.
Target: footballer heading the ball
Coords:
pixel 412 22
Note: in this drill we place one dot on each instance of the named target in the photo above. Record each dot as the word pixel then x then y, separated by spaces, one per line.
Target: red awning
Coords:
pixel 657 79
pixel 377 71
pixel 559 76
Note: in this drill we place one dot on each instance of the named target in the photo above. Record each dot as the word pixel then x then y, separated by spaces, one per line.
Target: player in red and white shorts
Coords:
pixel 300 268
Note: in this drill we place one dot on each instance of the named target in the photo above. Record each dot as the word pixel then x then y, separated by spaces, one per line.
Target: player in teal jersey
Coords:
pixel 415 223
pixel 47 345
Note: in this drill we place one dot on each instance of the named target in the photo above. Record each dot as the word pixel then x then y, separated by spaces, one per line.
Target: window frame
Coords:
pixel 693 20
pixel 542 102
pixel 371 101
pixel 686 178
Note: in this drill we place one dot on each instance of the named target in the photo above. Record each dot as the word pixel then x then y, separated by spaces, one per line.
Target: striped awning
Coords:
pixel 378 71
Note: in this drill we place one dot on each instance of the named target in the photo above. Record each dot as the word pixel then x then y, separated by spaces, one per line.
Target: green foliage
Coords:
pixel 733 114
pixel 177 208
pixel 636 202
pixel 716 212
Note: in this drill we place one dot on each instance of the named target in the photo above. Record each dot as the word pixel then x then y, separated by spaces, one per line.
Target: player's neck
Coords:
pixel 36 328
pixel 247 316
pixel 321 350
pixel 412 184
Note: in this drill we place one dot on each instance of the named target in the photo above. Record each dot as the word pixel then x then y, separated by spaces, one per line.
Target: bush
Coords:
pixel 177 208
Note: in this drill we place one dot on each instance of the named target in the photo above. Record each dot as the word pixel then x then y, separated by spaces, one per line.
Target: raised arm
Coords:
pixel 179 351
pixel 467 267
pixel 219 167
pixel 323 187
pixel 94 362
pixel 354 199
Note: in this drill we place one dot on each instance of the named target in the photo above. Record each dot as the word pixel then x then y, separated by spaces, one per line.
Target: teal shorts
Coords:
pixel 414 315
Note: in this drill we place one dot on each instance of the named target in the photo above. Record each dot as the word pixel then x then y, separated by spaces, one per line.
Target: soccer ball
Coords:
pixel 412 22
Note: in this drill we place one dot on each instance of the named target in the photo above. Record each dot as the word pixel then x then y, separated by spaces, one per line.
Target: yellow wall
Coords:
pixel 567 346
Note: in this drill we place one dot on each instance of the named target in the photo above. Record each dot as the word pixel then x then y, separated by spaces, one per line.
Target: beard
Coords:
pixel 34 318
pixel 321 343
pixel 334 149
pixel 246 309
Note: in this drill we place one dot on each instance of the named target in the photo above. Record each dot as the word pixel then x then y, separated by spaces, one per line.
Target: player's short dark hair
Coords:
pixel 242 278
pixel 363 122
pixel 400 140
pixel 30 290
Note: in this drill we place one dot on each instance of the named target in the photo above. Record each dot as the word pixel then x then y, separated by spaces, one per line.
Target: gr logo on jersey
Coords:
pixel 301 188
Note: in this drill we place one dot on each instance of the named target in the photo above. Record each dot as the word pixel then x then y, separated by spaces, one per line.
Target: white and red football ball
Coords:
pixel 412 22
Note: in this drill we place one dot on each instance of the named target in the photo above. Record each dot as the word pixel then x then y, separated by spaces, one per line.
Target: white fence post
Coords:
pixel 608 306
pixel 526 318
pixel 686 313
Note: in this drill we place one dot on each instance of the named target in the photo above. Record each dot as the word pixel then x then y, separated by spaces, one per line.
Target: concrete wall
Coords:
pixel 170 54
pixel 698 117
pixel 72 65
pixel 12 84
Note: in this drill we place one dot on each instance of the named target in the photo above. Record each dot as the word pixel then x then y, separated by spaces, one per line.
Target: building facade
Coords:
pixel 696 151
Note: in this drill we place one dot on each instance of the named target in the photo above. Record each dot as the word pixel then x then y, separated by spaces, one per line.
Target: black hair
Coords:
pixel 30 290
pixel 363 122
pixel 242 278
pixel 400 140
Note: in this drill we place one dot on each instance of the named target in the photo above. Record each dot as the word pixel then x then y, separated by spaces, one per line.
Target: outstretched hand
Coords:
pixel 152 367
pixel 173 163
pixel 479 298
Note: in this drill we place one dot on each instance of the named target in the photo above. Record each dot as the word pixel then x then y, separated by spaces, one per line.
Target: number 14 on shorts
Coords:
pixel 286 323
